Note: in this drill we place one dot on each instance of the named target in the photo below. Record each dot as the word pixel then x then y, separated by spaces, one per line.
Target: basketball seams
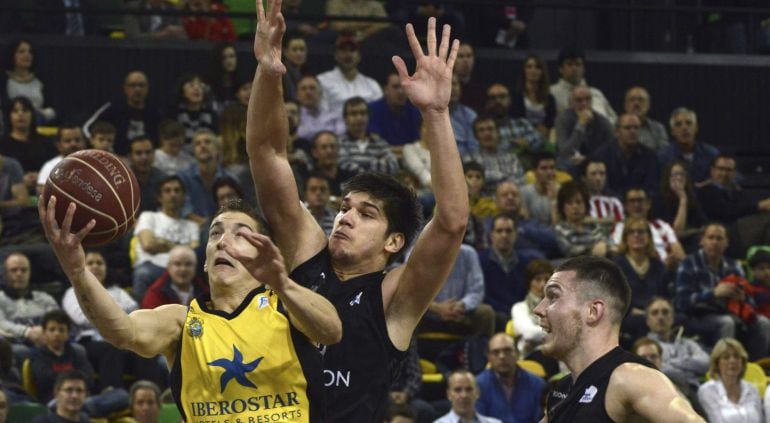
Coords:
pixel 106 182
pixel 115 226
pixel 135 204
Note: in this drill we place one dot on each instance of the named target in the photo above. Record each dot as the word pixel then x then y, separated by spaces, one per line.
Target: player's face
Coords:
pixel 359 230
pixel 55 335
pixel 71 395
pixel 226 230
pixel 96 264
pixel 145 408
pixel 560 316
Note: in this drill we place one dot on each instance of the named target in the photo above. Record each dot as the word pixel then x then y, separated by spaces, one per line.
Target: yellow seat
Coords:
pixel 47 131
pixel 510 330
pixel 430 372
pixel 532 366
pixel 754 375
pixel 561 176
pixel 27 380
pixel 438 336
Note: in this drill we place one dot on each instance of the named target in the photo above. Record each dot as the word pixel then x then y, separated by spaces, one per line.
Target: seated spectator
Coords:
pixel 727 395
pixel 650 350
pixel 192 107
pixel 294 58
pixel 234 158
pixel 723 200
pixel 500 163
pixel 702 294
pixel 508 392
pixel 69 139
pixel 628 162
pixel 178 284
pixel 56 354
pixel 14 197
pixel 70 392
pixel 393 117
pixel 759 262
pixel 144 401
pixel 698 155
pixel 360 150
pixel 539 197
pixel 19 80
pixel 664 239
pixel 160 26
pixel 417 159
pixel 297 147
pixel 10 378
pixel 571 62
pixel 580 131
pixel 445 14
pixel 645 273
pixel 532 99
pixel 359 30
pixel 605 206
pixel 141 157
pixel 463 393
pixel 462 118
pixel 675 202
pixel 224 76
pixel 171 158
pixel 317 196
pixel 314 115
pixel 575 234
pixel 102 136
pixel 473 92
pixel 652 134
pixel 211 28
pixel 482 206
pixel 526 324
pixel 458 307
pixel 325 152
pixel 516 133
pixel 199 178
pixel 400 413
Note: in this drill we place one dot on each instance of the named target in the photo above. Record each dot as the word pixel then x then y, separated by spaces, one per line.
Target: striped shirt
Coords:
pixel 606 207
pixel 369 154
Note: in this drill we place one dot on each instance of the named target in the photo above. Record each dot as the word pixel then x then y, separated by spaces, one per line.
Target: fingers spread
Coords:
pixel 453 54
pixel 86 229
pixel 444 46
pixel 414 43
pixel 431 36
pixel 66 225
pixel 403 74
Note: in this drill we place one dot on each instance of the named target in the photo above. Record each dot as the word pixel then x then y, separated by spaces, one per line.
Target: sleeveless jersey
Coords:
pixel 359 370
pixel 249 366
pixel 584 401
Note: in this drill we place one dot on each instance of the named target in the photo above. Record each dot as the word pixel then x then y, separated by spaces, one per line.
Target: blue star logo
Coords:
pixel 236 369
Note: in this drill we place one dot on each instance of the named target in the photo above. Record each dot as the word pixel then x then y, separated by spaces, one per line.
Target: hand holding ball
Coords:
pixel 103 188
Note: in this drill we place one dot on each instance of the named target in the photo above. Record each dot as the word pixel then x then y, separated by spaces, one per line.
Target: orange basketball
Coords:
pixel 104 189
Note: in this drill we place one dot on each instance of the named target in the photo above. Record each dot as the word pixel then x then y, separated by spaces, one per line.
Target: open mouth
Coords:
pixel 223 262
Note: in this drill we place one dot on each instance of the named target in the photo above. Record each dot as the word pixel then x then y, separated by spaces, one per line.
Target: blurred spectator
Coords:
pixel 533 236
pixel 650 350
pixel 171 158
pixel 508 392
pixel 532 98
pixel 10 379
pixel 676 202
pixel 727 396
pixel 571 61
pixel 144 401
pixel 317 195
pixel 290 9
pixel 482 207
pixel 69 139
pixel 57 354
pixel 697 155
pixel 645 272
pixel 759 262
pixel 702 293
pixel 234 158
pixel 325 154
pixel 199 178
pixel 500 164
pixel 19 80
pixel 651 132
pixel 243 93
pixel 14 197
pixel 629 163
pixel 178 284
pixel 296 148
pixel 445 14
pixel 131 115
pixel 102 136
pixel 360 150
pixel 141 157
pixel 580 131
pixel 393 117
pixel 294 58
pixel 345 81
pixel 70 392
pixel 605 206
pixel 359 30
pixel 417 160
pixel 575 234
pixel 462 118
pixel 224 76
pixel 400 413
pixel 463 392
pixel 725 201
pixel 539 197
pixel 505 25
pixel 458 307
pixel 22 142
pixel 526 324
pixel 211 28
pixel 158 26
pixel 516 134
pixel 473 93
pixel 192 107
pixel 73 24
pixel 314 116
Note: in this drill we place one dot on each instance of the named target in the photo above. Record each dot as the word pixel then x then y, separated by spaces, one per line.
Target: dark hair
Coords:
pixel 399 410
pixel 583 167
pixel 69 375
pixel 291 36
pixel 226 181
pixel 657 298
pixel 58 316
pixel 600 278
pixel 354 101
pixel 67 125
pixel 140 138
pixel 567 191
pixel 482 118
pixel 399 204
pixel 473 165
pixel 569 53
pixel 541 156
pixel 646 341
pixel 667 195
pixel 167 179
pixel 179 88
pixel 320 133
pixel 170 128
pixel 724 156
pixel 535 268
pixel 27 105
pixel 241 206
pixel 103 128
pixel 143 384
pixel 500 216
pixel 10 53
pixel 542 91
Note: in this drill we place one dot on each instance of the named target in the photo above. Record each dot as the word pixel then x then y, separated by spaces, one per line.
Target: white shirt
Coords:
pixel 337 89
pixel 452 417
pixel 562 90
pixel 663 236
pixel 719 409
pixel 179 231
pixel 172 165
pixel 70 305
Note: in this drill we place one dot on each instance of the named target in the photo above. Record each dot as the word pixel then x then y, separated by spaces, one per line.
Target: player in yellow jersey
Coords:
pixel 245 352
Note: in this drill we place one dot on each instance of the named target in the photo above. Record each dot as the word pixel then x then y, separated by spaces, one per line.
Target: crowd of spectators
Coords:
pixel 553 171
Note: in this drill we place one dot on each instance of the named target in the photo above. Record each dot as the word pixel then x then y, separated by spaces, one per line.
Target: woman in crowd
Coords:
pixel 525 323
pixel 575 234
pixel 193 107
pixel 223 77
pixel 294 58
pixel 727 398
pixel 676 202
pixel 532 98
pixel 19 80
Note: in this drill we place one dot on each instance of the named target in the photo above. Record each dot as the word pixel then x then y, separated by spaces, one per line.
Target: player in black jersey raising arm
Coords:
pixel 585 301
pixel 377 220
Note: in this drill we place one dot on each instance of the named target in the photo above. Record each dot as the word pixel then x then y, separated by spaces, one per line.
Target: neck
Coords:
pixel 21 134
pixel 69 415
pixel 638 256
pixel 530 88
pixel 208 169
pixel 21 73
pixel 194 107
pixel 466 416
pixel 228 297
pixel 504 253
pixel 591 348
pixel 171 212
pixel 666 335
pixel 329 170
pixel 135 104
pixel 346 269
pixel 349 74
pixel 183 286
pixel 713 261
pixel 357 135
pixel 58 351
pixel 541 186
pixel 686 146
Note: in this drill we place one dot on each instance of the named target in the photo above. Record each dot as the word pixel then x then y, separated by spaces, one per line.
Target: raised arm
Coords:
pixel 145 332
pixel 267 133
pixel 408 290
pixel 309 312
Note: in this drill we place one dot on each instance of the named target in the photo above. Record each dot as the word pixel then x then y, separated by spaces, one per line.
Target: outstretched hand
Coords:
pixel 66 244
pixel 267 41
pixel 430 86
pixel 268 266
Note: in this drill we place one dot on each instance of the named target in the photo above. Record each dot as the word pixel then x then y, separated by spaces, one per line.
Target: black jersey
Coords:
pixel 359 370
pixel 583 401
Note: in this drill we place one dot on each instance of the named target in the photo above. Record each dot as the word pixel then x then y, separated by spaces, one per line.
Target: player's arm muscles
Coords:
pixel 646 392
pixel 311 313
pixel 294 229
pixel 409 290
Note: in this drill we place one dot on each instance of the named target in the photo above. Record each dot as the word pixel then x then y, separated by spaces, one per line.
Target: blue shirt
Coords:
pixel 695 281
pixel 698 166
pixel 525 400
pixel 466 281
pixel 199 199
pixel 397 128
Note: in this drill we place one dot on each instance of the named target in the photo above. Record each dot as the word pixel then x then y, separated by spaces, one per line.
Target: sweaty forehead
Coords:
pixel 235 218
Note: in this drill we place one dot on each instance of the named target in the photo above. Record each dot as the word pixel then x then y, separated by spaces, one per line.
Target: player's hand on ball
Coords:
pixel 66 244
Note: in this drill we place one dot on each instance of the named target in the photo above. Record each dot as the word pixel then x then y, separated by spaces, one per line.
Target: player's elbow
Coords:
pixel 331 334
pixel 453 220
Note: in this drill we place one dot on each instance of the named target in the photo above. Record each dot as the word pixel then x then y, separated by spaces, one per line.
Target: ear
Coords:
pixel 596 311
pixel 394 242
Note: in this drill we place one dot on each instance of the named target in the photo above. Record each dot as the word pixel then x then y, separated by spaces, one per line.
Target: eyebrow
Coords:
pixel 366 204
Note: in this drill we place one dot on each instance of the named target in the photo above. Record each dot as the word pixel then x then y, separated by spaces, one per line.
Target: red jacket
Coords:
pixel 160 292
pixel 209 27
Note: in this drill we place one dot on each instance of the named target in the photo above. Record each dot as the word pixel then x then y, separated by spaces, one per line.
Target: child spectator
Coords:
pixel 171 158
pixel 760 271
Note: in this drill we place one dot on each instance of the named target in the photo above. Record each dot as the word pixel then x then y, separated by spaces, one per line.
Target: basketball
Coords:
pixel 102 187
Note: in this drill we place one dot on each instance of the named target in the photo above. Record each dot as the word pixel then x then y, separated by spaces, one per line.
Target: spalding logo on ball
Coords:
pixel 103 188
